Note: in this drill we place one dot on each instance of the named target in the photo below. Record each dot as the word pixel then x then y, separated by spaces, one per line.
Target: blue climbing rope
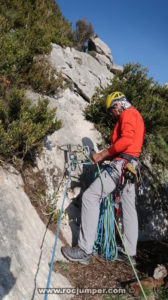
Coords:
pixel 105 243
pixel 59 223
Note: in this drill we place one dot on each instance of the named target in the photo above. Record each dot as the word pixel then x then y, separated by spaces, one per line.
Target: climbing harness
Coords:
pixel 133 173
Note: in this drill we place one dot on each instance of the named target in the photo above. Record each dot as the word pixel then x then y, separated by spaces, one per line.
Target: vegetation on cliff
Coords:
pixel 27 29
pixel 23 126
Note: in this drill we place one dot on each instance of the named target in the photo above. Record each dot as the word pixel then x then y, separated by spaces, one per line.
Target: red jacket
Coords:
pixel 128 134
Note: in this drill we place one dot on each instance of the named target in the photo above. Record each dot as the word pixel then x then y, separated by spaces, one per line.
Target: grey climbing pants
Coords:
pixel 90 209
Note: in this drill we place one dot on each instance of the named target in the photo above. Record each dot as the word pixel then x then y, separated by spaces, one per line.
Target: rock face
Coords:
pixel 97 45
pixel 23 260
pixel 76 130
pixel 82 71
pixel 84 74
pixel 101 52
pixel 152 206
pixel 117 68
pixel 26 245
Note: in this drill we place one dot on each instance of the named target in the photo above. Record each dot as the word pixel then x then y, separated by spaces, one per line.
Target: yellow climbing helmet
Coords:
pixel 113 96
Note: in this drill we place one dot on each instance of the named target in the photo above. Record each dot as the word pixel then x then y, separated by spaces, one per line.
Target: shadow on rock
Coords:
pixel 86 177
pixel 74 208
pixel 7 280
pixel 150 254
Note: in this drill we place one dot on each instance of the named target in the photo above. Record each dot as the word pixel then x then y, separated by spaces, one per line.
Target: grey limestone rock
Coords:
pixel 24 255
pixel 96 44
pixel 80 69
pixel 117 68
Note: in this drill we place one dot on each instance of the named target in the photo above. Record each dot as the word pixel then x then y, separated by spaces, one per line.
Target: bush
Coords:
pixel 23 126
pixel 82 33
pixel 42 77
pixel 27 29
pixel 148 97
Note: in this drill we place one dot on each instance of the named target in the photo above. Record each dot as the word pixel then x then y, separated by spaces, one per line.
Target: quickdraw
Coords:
pixel 77 155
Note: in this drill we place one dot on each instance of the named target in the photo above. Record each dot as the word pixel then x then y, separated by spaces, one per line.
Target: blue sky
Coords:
pixel 135 30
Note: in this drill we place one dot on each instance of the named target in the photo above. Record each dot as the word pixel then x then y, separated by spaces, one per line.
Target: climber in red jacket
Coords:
pixel 126 143
pixel 128 133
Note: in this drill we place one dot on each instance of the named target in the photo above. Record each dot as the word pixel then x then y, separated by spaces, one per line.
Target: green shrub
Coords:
pixel 42 77
pixel 148 97
pixel 27 29
pixel 163 293
pixel 82 33
pixel 23 126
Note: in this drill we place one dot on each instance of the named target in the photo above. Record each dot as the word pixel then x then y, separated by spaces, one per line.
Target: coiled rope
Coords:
pixel 105 243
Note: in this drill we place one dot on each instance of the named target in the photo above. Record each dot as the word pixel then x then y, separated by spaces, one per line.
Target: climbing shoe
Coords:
pixel 123 257
pixel 76 254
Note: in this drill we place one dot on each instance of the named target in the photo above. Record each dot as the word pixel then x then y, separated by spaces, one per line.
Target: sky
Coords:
pixel 135 30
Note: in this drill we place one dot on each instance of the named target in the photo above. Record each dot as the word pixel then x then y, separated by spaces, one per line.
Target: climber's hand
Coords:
pixel 98 157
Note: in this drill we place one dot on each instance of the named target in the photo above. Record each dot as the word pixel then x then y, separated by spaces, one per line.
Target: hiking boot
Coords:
pixel 76 254
pixel 123 257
